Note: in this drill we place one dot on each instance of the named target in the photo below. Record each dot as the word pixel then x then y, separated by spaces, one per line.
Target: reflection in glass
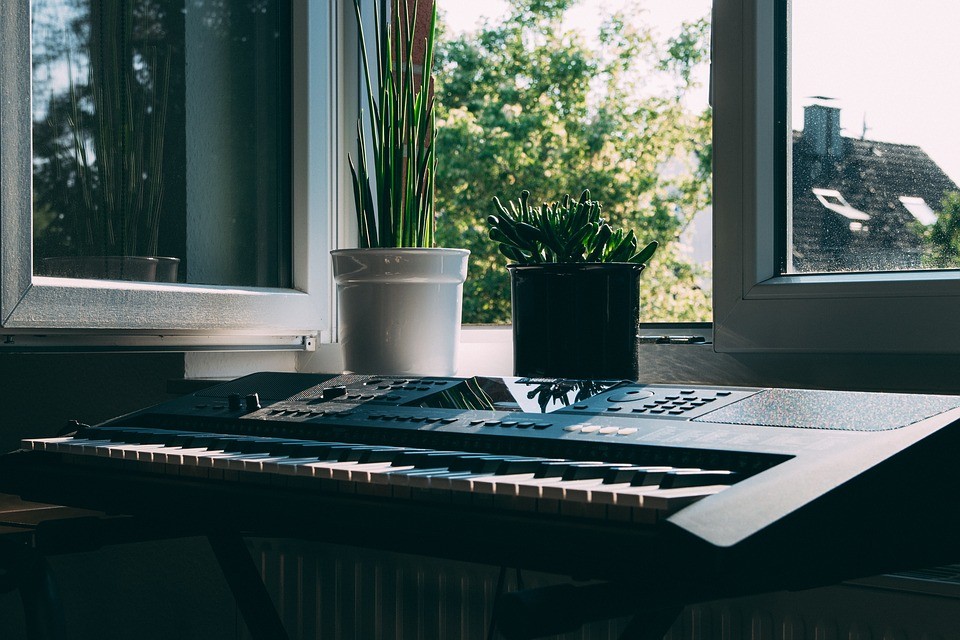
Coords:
pixel 530 395
pixel 161 140
pixel 874 157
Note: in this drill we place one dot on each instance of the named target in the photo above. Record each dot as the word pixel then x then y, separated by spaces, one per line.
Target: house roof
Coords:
pixel 870 177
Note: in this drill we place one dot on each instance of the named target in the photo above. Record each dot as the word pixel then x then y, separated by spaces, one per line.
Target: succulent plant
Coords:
pixel 562 231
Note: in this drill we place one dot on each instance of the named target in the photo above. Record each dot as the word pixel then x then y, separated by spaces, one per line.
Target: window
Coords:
pixel 770 296
pixel 618 105
pixel 919 209
pixel 248 185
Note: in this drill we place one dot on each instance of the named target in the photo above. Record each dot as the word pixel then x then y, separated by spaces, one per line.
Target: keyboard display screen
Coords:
pixel 530 395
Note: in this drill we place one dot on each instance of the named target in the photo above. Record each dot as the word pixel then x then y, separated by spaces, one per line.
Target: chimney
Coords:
pixel 821 130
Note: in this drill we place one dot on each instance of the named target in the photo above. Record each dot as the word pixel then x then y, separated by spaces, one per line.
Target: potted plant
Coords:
pixel 574 288
pixel 400 298
pixel 116 126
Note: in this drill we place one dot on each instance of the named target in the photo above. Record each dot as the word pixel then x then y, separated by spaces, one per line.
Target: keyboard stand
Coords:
pixel 27 572
pixel 249 592
pixel 30 532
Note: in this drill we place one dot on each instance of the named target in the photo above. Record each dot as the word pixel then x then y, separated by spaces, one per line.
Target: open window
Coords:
pixel 202 132
pixel 782 181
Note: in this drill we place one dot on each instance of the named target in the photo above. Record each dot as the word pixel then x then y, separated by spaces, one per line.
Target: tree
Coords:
pixel 530 104
pixel 943 237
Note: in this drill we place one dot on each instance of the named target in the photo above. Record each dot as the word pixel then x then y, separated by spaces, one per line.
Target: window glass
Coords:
pixel 161 140
pixel 557 97
pixel 874 143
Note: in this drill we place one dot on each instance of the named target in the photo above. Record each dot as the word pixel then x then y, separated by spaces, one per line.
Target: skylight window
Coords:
pixel 919 209
pixel 833 200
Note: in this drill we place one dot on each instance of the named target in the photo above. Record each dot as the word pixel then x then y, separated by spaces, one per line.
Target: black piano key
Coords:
pixel 522 465
pixel 289 448
pixel 653 478
pixel 626 473
pixel 587 471
pixel 360 453
pixel 426 458
pixel 687 478
pixel 556 469
pixel 479 464
pixel 256 445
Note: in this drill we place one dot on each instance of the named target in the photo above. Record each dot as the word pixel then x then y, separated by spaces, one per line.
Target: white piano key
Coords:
pixel 670 500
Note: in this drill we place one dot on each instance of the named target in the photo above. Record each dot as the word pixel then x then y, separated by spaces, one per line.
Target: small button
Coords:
pixel 448 420
pixel 626 431
pixel 708 399
pixel 687 392
pixel 608 430
pixel 418 419
pixel 492 423
pixel 657 410
pixel 676 412
pixel 590 428
pixel 672 397
pixel 629 396
pixel 509 423
pixel 579 406
pixel 474 423
pixel 423 388
pixel 723 393
pixel 572 427
pixel 614 408
pixel 641 410
pixel 524 425
pixel 542 425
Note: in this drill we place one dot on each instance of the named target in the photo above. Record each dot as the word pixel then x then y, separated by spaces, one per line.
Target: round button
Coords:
pixel 629 396
pixel 590 428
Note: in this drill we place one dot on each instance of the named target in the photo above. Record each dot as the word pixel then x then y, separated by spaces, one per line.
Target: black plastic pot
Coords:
pixel 576 320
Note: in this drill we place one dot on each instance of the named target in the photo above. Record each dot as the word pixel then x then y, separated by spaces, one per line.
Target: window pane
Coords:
pixel 874 144
pixel 161 140
pixel 563 96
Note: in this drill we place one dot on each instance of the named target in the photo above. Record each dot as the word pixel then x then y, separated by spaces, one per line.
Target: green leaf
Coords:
pixel 646 253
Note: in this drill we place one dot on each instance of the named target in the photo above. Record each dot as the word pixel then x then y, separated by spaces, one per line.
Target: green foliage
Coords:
pixel 529 102
pixel 99 181
pixel 562 231
pixel 943 237
pixel 394 189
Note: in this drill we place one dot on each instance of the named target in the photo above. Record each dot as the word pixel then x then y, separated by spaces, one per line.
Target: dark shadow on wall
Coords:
pixel 152 590
pixel 43 391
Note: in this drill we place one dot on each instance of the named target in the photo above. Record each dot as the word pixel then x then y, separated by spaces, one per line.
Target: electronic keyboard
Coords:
pixel 702 486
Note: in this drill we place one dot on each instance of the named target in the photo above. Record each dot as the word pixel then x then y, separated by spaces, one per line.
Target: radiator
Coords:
pixel 332 592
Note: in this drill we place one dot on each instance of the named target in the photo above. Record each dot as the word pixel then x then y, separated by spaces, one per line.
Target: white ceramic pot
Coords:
pixel 400 309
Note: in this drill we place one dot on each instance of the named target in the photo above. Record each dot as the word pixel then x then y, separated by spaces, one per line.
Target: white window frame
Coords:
pixel 755 308
pixel 144 311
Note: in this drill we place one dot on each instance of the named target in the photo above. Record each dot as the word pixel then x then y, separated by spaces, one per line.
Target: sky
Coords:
pixel 891 64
